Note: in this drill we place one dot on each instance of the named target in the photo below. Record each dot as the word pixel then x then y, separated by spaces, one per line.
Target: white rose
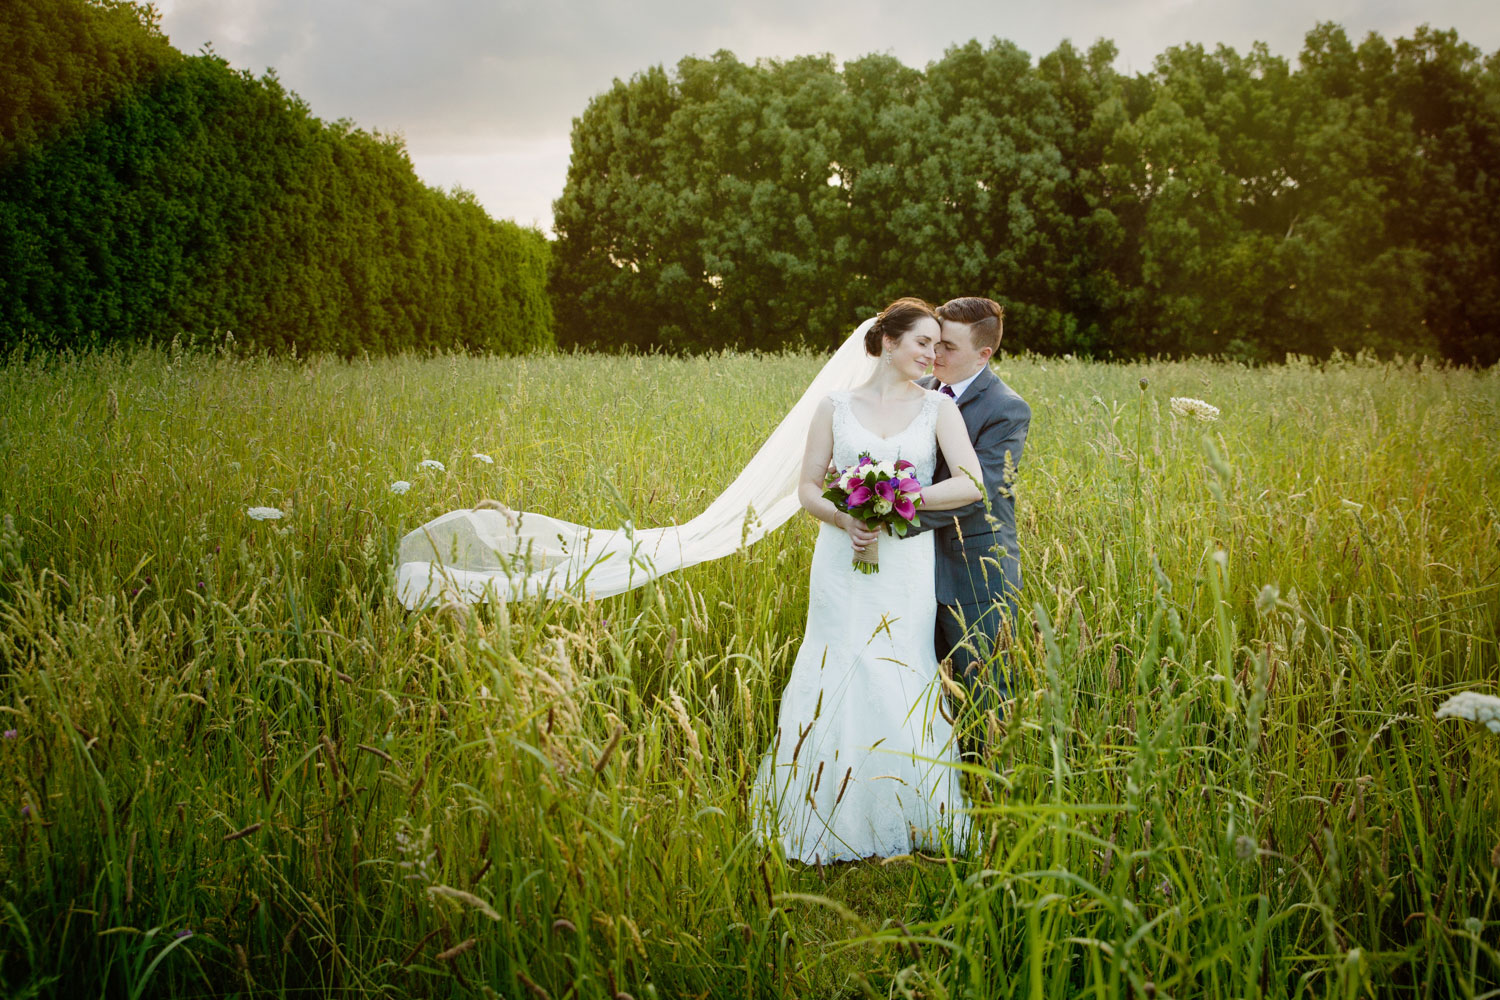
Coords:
pixel 882 506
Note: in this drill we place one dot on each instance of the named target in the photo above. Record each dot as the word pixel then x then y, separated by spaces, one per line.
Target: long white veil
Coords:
pixel 473 556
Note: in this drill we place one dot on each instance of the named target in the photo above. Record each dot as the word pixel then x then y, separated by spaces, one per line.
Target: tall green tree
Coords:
pixel 1221 203
pixel 144 193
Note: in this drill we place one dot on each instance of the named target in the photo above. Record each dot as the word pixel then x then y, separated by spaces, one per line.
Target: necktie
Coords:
pixel 947 390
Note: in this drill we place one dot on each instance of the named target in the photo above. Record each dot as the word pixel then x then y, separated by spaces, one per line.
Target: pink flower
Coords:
pixel 865 460
pixel 906 508
pixel 886 489
pixel 902 464
pixel 908 485
pixel 859 496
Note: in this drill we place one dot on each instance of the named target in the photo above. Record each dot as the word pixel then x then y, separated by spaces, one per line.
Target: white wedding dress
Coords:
pixel 862 762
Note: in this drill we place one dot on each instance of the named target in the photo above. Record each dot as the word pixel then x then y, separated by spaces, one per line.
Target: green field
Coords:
pixel 238 766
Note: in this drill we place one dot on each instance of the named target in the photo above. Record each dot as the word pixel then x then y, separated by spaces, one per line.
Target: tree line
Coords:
pixel 1222 203
pixel 146 193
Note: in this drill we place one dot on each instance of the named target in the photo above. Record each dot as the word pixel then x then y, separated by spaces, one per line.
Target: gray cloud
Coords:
pixel 485 92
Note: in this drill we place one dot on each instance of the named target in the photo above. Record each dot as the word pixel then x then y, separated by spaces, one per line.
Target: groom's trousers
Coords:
pixel 970 635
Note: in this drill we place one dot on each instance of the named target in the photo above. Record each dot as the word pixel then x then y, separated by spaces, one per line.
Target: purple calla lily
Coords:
pixel 905 508
pixel 886 489
pixel 859 496
pixel 908 485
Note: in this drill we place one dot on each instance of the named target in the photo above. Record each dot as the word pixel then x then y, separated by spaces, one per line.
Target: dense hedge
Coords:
pixel 145 193
pixel 1222 203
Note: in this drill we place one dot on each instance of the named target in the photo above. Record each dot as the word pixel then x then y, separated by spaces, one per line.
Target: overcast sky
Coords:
pixel 485 91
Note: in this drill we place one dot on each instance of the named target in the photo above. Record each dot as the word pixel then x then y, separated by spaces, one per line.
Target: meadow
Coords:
pixel 233 765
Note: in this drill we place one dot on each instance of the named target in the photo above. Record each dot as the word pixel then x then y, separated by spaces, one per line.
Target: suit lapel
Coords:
pixel 981 384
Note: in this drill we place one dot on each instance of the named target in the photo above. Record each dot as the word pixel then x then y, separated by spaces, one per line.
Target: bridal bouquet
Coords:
pixel 880 494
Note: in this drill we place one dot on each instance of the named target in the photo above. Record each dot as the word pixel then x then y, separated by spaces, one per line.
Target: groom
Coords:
pixel 978 569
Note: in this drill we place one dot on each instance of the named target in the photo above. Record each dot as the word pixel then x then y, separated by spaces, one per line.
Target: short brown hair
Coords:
pixel 985 317
pixel 894 321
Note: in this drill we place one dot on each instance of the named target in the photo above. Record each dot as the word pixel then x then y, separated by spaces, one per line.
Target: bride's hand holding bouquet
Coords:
pixel 880 495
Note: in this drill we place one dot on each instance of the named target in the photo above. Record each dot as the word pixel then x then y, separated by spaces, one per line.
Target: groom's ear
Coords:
pixel 985 353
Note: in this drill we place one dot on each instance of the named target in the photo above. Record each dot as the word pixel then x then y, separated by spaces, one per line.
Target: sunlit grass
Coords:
pixel 1222 775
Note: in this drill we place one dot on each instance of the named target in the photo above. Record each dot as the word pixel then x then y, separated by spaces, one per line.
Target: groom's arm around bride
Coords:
pixel 977 565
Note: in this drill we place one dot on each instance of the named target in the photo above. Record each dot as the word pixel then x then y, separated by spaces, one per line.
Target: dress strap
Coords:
pixel 930 406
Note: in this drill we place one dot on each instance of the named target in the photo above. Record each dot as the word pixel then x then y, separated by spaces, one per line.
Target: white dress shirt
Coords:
pixel 959 387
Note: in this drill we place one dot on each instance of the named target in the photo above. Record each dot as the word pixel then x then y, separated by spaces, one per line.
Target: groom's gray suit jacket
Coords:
pixel 970 541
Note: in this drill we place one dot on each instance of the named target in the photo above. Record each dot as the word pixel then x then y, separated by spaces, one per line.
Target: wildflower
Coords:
pixel 1165 888
pixel 265 514
pixel 1186 406
pixel 1144 383
pixel 400 486
pixel 416 850
pixel 432 463
pixel 1476 707
pixel 487 460
pixel 1245 847
pixel 11 734
pixel 182 932
pixel 1266 602
pixel 26 809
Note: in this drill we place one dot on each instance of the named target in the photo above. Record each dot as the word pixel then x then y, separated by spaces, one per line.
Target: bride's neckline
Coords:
pixel 849 403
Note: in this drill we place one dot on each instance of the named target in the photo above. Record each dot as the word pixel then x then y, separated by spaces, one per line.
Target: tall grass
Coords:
pixel 239 766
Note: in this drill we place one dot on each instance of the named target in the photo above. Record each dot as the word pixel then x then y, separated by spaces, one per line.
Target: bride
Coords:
pixel 863 762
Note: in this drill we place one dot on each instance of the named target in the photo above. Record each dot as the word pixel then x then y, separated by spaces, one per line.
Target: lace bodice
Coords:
pixel 917 442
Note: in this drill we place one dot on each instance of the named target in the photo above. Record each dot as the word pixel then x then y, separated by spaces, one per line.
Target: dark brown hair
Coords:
pixel 893 323
pixel 985 317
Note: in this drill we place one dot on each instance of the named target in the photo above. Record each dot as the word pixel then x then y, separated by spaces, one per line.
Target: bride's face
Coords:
pixel 913 354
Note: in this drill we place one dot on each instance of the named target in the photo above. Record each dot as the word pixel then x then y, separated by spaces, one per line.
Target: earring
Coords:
pixel 888 358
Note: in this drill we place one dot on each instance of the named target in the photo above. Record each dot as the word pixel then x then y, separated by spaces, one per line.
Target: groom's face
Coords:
pixel 956 357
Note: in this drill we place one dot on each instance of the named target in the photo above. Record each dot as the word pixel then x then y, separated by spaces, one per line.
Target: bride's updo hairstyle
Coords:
pixel 893 323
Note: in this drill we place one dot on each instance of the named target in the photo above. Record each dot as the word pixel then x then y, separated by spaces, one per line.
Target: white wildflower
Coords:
pixel 487 460
pixel 265 514
pixel 1476 707
pixel 1186 406
pixel 416 851
pixel 1265 603
pixel 400 486
pixel 432 463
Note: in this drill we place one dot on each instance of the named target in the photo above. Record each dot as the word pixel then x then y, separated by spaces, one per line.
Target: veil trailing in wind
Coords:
pixel 474 556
